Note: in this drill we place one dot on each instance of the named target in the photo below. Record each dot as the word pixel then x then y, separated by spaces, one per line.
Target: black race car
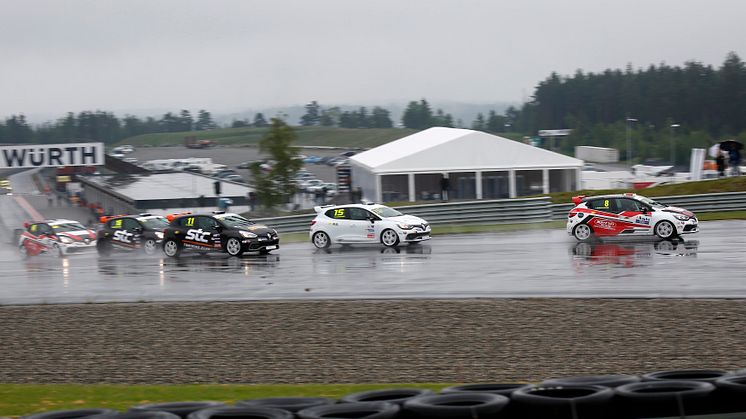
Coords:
pixel 132 232
pixel 217 232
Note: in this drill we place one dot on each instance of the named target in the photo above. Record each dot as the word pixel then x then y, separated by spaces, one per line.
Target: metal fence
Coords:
pixel 512 211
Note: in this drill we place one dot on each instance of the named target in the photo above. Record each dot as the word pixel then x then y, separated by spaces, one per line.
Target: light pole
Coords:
pixel 629 140
pixel 673 149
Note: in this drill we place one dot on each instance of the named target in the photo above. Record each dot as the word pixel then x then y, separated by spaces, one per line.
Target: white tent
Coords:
pixel 477 165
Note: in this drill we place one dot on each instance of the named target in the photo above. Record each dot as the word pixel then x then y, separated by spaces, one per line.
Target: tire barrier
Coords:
pixel 570 402
pixel 501 389
pixel 456 406
pixel 664 398
pixel 394 395
pixel 730 393
pixel 138 414
pixel 234 412
pixel 592 380
pixel 361 410
pixel 291 404
pixel 709 376
pixel 181 409
pixel 71 414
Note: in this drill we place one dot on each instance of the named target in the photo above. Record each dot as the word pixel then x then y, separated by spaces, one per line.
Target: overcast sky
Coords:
pixel 230 55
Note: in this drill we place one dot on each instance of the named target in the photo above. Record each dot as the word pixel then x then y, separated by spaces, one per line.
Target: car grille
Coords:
pixel 690 227
pixel 412 236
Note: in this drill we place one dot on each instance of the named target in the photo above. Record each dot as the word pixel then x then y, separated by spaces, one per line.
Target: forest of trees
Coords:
pixel 99 126
pixel 691 106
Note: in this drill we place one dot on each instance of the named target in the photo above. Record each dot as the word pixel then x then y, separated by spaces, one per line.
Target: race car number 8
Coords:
pixel 606 203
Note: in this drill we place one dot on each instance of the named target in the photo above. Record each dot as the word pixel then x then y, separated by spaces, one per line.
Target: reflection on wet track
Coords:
pixel 537 263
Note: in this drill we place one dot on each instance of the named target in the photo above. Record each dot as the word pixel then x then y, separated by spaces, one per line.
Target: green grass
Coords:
pixel 734 184
pixel 23 399
pixel 307 136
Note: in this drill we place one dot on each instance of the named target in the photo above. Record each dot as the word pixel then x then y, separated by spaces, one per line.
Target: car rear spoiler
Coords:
pixel 170 217
pixel 578 199
pixel 319 208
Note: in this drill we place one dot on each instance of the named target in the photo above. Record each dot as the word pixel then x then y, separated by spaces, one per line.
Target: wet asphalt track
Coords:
pixel 537 263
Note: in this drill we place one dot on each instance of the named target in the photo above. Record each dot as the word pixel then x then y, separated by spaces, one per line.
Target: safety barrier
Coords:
pixel 524 210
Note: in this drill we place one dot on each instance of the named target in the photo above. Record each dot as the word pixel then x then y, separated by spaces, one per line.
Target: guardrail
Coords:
pixel 525 210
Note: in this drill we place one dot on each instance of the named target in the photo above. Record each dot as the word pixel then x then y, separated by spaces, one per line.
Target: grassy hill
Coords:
pixel 307 136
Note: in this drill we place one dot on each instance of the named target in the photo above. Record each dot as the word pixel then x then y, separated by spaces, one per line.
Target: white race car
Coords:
pixel 366 223
pixel 627 215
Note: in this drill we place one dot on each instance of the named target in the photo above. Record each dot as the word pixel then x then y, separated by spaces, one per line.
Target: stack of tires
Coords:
pixel 678 393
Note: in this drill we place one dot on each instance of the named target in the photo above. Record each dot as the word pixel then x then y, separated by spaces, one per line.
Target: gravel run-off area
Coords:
pixel 366 341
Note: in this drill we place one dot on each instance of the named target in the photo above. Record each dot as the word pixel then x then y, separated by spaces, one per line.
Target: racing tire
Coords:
pixel 171 248
pixel 496 388
pixel 611 380
pixel 665 398
pixel 253 412
pixel 73 414
pixel 367 410
pixel 392 395
pixel 149 247
pixel 389 238
pixel 291 404
pixel 140 414
pixel 563 402
pixel 182 409
pixel 103 247
pixel 466 405
pixel 709 376
pixel 233 247
pixel 321 240
pixel 665 230
pixel 583 232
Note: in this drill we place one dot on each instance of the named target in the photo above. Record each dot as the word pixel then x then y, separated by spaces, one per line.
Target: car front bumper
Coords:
pixel 77 247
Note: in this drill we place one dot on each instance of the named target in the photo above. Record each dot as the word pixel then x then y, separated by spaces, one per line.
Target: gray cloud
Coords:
pixel 234 54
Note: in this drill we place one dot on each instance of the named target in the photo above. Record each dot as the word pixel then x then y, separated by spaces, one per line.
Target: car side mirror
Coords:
pixel 372 219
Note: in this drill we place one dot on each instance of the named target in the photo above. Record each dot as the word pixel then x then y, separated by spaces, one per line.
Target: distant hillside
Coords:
pixel 307 136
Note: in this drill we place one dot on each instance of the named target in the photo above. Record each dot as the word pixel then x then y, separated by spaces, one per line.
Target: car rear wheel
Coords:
pixel 103 247
pixel 233 247
pixel 389 238
pixel 582 232
pixel 665 230
pixel 321 240
pixel 149 247
pixel 171 248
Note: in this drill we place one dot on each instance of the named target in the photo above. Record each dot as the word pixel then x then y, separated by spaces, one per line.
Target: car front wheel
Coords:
pixel 665 230
pixel 389 238
pixel 233 247
pixel 321 240
pixel 582 232
pixel 171 248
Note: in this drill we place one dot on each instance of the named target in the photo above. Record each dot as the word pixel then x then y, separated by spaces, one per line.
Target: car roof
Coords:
pixel 59 221
pixel 617 195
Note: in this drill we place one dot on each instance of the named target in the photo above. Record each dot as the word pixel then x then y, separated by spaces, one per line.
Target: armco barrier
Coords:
pixel 523 210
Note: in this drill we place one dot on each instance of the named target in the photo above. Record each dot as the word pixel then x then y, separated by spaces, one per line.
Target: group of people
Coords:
pixel 734 161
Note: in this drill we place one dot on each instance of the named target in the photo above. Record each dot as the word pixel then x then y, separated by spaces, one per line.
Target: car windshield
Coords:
pixel 64 227
pixel 156 223
pixel 385 212
pixel 233 220
pixel 650 202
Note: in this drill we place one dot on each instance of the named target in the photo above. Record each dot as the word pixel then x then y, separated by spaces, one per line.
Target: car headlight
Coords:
pixel 65 239
pixel 248 234
pixel 681 217
pixel 405 226
pixel 159 234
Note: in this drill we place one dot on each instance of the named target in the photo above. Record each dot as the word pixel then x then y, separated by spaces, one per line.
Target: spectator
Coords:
pixel 734 161
pixel 252 201
pixel 720 161
pixel 445 185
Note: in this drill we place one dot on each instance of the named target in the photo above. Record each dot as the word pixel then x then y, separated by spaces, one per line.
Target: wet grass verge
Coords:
pixel 23 399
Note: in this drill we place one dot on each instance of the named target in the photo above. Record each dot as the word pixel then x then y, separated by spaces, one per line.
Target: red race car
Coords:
pixel 59 237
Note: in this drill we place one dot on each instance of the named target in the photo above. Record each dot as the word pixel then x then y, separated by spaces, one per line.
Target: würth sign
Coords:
pixel 52 155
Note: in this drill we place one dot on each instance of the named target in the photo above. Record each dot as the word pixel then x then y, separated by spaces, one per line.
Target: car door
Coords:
pixel 133 231
pixel 633 212
pixel 195 235
pixel 339 229
pixel 211 232
pixel 119 235
pixel 360 226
